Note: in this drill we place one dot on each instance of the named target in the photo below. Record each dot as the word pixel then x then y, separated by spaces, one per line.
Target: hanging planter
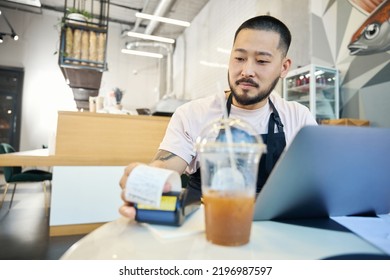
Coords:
pixel 76 18
pixel 82 56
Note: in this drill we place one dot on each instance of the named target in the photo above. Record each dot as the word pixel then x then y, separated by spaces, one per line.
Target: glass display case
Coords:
pixel 316 87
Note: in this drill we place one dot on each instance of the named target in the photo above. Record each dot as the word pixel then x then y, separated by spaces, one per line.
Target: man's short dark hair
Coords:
pixel 269 23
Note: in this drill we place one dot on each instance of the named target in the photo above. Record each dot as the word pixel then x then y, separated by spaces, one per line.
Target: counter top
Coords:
pixel 41 157
pixel 316 239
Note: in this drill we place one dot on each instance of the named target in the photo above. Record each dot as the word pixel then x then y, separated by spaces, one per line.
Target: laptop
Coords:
pixel 329 171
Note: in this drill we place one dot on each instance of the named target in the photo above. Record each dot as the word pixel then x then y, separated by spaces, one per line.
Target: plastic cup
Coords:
pixel 229 170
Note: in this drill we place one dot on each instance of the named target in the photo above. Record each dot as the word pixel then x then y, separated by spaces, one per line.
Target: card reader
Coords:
pixel 173 210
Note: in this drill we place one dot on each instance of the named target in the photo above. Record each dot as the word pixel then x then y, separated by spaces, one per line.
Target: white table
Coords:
pixel 123 239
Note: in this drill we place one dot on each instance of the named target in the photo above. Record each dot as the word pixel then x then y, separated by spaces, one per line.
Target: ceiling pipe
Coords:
pixel 169 53
pixel 161 10
pixel 139 20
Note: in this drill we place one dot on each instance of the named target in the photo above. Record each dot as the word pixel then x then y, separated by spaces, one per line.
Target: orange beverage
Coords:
pixel 228 217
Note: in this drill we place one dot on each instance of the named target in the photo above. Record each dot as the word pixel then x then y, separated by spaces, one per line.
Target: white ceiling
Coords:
pixel 123 12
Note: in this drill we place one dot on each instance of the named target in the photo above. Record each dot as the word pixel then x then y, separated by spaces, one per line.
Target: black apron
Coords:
pixel 276 142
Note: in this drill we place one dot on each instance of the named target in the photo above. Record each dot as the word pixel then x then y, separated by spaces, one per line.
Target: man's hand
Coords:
pixel 127 209
pixel 163 159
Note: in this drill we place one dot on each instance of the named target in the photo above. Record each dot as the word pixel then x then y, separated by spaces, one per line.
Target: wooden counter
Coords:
pixel 91 151
pixel 347 121
pixel 41 157
pixel 94 139
pixel 109 137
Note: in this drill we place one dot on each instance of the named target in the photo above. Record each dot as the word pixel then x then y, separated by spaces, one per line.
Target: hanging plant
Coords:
pixel 73 11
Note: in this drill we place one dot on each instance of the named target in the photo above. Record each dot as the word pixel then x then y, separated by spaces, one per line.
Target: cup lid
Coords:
pixel 229 131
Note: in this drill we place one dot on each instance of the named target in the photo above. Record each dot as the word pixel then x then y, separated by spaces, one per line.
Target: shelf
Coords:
pixel 306 88
pixel 79 51
pixel 315 87
pixel 83 38
pixel 83 48
pixel 78 64
pixel 308 101
pixel 86 26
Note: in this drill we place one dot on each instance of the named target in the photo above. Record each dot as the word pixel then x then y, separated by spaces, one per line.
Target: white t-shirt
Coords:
pixel 190 118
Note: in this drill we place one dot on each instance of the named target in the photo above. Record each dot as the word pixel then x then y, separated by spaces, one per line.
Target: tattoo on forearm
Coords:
pixel 164 156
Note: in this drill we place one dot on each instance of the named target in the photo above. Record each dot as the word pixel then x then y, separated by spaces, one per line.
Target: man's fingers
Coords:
pixel 167 187
pixel 126 173
pixel 127 211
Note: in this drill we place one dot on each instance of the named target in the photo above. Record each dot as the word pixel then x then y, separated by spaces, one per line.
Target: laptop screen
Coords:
pixel 329 171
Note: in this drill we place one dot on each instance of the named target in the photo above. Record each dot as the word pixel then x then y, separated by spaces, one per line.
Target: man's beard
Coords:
pixel 261 95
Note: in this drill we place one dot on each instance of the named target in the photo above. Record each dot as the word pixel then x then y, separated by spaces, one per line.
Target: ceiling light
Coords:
pixel 141 53
pixel 1 38
pixel 221 50
pixel 15 36
pixel 150 37
pixel 213 64
pixel 163 19
pixel 34 3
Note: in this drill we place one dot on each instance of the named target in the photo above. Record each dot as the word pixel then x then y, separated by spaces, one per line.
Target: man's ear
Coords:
pixel 286 64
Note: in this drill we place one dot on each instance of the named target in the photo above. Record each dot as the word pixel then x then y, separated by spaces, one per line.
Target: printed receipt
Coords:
pixel 145 184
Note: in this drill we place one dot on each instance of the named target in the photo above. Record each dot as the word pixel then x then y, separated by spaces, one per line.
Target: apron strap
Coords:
pixel 271 147
pixel 276 118
pixel 229 102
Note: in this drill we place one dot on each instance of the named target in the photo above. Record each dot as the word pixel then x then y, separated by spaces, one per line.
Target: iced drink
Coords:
pixel 228 217
pixel 229 154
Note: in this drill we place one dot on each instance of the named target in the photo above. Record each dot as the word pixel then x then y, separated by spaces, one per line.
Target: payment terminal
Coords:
pixel 173 210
